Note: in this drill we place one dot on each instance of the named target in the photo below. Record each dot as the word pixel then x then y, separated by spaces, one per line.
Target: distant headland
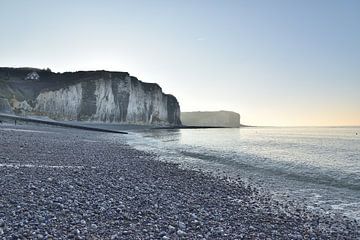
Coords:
pixel 211 119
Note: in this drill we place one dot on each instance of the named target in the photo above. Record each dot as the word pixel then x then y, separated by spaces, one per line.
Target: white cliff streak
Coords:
pixel 149 105
pixel 61 104
pixel 106 109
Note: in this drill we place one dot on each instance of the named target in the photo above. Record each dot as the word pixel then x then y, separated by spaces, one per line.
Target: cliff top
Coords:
pixel 211 112
pixel 21 73
pixel 53 80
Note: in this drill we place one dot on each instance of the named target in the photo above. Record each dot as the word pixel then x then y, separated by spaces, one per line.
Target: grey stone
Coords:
pixel 182 225
pixel 180 233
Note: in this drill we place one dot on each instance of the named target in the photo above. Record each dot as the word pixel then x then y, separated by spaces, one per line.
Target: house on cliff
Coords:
pixel 32 76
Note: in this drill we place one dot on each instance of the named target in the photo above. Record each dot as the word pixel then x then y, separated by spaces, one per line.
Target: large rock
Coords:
pixel 98 96
pixel 211 119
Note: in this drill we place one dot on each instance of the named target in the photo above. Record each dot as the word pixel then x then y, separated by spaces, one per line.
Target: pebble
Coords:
pixel 182 225
pixel 171 228
pixel 114 236
pixel 180 233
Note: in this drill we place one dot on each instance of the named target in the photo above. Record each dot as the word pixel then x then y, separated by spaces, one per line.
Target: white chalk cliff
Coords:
pixel 97 96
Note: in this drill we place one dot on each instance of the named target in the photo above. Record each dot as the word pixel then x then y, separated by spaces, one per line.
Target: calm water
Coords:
pixel 317 166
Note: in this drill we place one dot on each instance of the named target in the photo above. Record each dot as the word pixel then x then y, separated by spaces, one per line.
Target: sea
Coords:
pixel 317 167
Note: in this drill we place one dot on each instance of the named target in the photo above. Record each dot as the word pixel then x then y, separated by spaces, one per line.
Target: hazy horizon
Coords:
pixel 277 63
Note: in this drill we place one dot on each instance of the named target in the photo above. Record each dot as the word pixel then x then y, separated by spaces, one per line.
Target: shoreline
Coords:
pixel 56 123
pixel 123 193
pixel 325 198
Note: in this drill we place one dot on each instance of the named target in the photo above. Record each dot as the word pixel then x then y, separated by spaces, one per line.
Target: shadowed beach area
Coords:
pixel 59 183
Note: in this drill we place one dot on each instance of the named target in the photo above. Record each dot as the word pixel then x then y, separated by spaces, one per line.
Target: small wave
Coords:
pixel 304 173
pixel 295 166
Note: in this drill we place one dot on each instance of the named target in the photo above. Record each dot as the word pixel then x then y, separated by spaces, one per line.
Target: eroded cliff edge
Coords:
pixel 96 96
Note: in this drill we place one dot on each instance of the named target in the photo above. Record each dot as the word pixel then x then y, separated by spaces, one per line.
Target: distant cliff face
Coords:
pixel 98 96
pixel 211 119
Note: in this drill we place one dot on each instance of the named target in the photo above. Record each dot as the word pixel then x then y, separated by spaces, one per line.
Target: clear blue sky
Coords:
pixel 276 62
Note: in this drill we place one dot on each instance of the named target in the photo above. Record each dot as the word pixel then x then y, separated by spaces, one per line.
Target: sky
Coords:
pixel 276 62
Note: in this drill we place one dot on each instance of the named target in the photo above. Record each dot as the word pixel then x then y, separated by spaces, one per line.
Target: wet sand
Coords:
pixel 67 183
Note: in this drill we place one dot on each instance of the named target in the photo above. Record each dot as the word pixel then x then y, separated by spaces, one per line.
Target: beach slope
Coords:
pixel 60 183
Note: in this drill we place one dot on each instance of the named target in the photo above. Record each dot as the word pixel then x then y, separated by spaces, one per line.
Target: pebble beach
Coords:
pixel 58 183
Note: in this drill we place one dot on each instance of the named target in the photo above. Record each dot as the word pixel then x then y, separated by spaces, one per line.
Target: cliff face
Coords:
pixel 5 106
pixel 211 119
pixel 98 96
